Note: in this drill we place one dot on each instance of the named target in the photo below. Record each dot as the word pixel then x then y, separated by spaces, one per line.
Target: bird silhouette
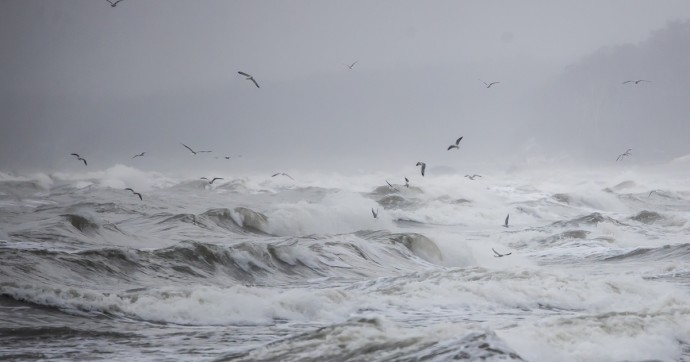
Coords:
pixel 79 158
pixel 423 167
pixel 283 174
pixel 113 4
pixel 211 181
pixel 192 151
pixel 636 81
pixel 456 145
pixel 622 155
pixel 488 85
pixel 135 193
pixel 249 77
pixel 391 186
pixel 499 255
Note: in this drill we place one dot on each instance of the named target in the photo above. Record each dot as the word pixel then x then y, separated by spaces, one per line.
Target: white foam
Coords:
pixel 196 305
pixel 339 212
pixel 118 176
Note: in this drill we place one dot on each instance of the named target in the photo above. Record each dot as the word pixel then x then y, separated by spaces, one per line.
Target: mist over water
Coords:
pixel 593 265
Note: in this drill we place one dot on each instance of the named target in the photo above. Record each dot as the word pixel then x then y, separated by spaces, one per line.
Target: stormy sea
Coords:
pixel 592 266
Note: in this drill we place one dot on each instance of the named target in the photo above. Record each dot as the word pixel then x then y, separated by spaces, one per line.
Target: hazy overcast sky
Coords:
pixel 81 76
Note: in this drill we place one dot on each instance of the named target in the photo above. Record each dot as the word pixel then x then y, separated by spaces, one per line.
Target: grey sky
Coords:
pixel 80 76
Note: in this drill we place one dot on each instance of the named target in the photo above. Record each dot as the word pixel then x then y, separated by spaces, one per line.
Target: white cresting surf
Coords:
pixel 593 266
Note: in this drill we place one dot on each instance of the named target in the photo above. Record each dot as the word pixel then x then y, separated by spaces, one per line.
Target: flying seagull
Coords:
pixel 636 81
pixel 651 192
pixel 391 186
pixel 136 193
pixel 249 77
pixel 189 148
pixel 79 158
pixel 622 155
pixel 456 145
pixel 375 213
pixel 139 155
pixel 192 151
pixel 505 224
pixel 352 65
pixel 423 167
pixel 113 4
pixel 211 182
pixel 499 255
pixel 488 85
pixel 407 182
pixel 472 177
pixel 282 173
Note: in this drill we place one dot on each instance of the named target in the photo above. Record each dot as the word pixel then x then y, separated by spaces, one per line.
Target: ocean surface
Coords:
pixel 261 268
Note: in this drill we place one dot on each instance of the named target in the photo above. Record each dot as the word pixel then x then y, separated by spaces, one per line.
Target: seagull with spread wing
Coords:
pixel 135 193
pixel 456 145
pixel 391 186
pixel 624 154
pixel 499 255
pixel 249 77
pixel 113 4
pixel 192 151
pixel 79 158
pixel 282 174
pixel 488 85
pixel 636 81
pixel 423 166
pixel 211 181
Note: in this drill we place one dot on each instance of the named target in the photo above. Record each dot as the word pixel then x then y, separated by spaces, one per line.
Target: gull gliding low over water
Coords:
pixel 391 186
pixel 505 223
pixel 282 174
pixel 211 181
pixel 375 213
pixel 139 155
pixel 135 193
pixel 499 255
